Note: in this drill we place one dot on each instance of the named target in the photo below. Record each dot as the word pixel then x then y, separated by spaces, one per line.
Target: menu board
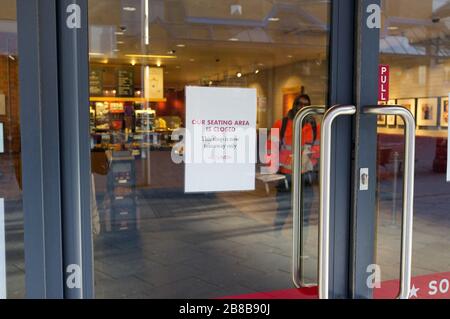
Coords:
pixel 2 149
pixel 96 82
pixel 125 86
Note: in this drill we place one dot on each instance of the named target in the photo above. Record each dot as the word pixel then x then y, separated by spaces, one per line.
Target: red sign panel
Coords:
pixel 383 83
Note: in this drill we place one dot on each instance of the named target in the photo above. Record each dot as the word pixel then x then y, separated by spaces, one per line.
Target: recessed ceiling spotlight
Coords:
pixel 171 52
pixel 392 28
pixel 119 33
pixel 133 62
pixel 274 19
pixel 158 64
pixel 120 42
pixel 181 45
pixel 256 71
pixel 116 50
pixel 233 39
pixel 129 9
pixel 290 56
pixel 239 74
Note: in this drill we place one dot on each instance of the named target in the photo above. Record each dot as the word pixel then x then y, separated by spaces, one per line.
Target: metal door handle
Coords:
pixel 297 274
pixel 324 211
pixel 408 191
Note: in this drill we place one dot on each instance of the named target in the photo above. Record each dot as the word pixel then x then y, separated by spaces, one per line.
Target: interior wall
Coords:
pixel 406 82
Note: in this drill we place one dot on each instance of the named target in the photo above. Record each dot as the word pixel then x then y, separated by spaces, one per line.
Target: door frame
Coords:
pixel 54 69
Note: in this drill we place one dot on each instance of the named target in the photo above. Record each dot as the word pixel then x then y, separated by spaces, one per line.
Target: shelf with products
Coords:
pixel 127 99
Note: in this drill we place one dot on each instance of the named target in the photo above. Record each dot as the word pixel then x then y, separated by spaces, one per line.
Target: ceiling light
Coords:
pixel 274 19
pixel 239 74
pixel 95 54
pixel 192 60
pixel 133 62
pixel 120 42
pixel 393 28
pixel 119 33
pixel 233 39
pixel 116 50
pixel 181 45
pixel 11 57
pixel 256 71
pixel 151 56
pixel 290 56
pixel 171 52
pixel 129 9
pixel 158 64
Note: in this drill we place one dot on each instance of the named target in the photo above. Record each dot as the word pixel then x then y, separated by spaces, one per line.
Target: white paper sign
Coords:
pixel 220 139
pixel 2 251
pixel 448 139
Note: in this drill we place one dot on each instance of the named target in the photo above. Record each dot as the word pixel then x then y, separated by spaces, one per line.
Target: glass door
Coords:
pixel 12 264
pixel 414 54
pixel 191 118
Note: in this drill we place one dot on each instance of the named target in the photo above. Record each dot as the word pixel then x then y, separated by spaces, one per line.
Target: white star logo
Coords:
pixel 413 292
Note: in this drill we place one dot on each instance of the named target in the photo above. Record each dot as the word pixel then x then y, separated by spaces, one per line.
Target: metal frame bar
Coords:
pixel 73 56
pixel 325 189
pixel 408 191
pixel 39 114
pixel 363 204
pixel 341 91
pixel 297 191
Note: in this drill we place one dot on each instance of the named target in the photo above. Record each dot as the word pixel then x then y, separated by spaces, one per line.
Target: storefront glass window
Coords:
pixel 11 215
pixel 162 67
pixel 415 45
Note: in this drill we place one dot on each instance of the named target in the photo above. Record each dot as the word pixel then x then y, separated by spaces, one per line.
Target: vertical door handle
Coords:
pixel 325 189
pixel 297 191
pixel 408 191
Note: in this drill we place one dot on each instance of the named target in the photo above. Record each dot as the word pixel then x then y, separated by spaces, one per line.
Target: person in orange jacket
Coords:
pixel 310 160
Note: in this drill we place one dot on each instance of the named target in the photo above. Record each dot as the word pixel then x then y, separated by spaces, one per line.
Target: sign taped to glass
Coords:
pixel 383 84
pixel 220 139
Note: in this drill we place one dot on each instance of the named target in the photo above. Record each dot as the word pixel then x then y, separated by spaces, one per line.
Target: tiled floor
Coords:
pixel 209 246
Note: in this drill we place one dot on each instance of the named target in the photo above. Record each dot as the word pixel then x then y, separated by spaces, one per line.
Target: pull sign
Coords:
pixel 74 18
pixel 383 83
pixel 374 18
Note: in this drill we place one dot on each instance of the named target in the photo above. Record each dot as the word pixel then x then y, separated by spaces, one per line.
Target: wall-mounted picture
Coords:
pixel 289 96
pixel 427 112
pixel 390 119
pixel 381 120
pixel 410 104
pixel 444 111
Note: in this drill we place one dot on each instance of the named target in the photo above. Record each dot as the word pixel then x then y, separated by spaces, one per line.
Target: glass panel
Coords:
pixel 11 215
pixel 415 43
pixel 160 66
